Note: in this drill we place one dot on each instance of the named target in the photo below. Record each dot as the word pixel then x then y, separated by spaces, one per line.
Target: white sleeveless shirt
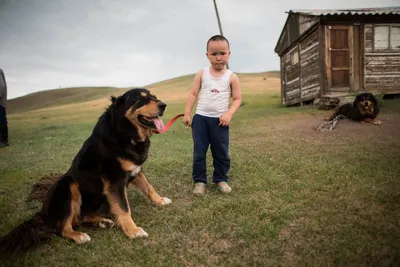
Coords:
pixel 214 94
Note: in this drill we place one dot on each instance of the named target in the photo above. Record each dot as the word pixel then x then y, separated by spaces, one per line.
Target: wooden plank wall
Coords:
pixel 382 68
pixel 302 76
pixel 292 78
pixel 310 66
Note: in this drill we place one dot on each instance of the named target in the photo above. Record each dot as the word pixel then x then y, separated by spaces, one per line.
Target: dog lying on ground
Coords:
pixel 364 109
pixel 94 188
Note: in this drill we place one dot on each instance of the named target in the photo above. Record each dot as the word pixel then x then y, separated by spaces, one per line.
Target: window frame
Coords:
pixel 294 58
pixel 390 47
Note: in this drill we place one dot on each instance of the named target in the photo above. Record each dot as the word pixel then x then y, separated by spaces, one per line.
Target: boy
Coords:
pixel 213 86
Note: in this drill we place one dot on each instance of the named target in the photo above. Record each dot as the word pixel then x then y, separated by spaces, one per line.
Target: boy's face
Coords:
pixel 218 54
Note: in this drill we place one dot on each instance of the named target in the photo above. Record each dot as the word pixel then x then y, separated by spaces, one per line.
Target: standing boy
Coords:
pixel 213 86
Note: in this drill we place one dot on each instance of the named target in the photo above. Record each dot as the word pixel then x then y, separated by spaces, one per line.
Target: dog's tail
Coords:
pixel 25 236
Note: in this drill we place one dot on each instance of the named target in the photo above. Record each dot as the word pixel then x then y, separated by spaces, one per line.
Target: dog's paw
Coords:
pixel 165 201
pixel 106 223
pixel 377 122
pixel 82 238
pixel 162 201
pixel 138 232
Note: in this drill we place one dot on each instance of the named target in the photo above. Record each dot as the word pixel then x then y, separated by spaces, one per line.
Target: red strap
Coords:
pixel 166 127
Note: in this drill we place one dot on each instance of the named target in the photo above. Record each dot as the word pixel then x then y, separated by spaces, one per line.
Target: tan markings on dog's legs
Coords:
pixel 123 217
pixel 72 220
pixel 143 94
pixel 141 182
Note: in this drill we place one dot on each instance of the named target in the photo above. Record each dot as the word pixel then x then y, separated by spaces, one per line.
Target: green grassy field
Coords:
pixel 300 197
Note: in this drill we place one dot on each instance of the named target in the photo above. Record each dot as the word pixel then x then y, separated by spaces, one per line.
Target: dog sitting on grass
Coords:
pixel 93 190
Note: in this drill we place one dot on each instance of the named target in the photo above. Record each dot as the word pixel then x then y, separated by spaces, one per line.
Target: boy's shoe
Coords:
pixel 224 187
pixel 199 189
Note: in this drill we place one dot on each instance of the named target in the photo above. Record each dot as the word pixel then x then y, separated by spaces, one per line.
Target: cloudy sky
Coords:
pixel 47 44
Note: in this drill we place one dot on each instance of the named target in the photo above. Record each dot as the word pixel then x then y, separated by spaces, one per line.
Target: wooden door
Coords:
pixel 339 58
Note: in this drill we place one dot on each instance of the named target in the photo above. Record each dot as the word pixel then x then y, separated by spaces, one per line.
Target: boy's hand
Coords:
pixel 186 120
pixel 225 119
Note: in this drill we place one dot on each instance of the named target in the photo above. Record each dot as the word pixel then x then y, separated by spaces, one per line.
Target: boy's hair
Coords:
pixel 217 38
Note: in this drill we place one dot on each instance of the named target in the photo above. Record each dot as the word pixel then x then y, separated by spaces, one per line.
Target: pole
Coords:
pixel 219 23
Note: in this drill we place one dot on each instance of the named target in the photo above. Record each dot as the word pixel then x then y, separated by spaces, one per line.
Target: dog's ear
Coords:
pixel 373 99
pixel 117 100
pixel 357 99
pixel 355 102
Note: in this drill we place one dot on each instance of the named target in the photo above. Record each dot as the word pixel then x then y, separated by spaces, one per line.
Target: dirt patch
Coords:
pixel 41 187
pixel 307 125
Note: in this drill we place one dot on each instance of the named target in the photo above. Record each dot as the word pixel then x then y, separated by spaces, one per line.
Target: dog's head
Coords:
pixel 141 108
pixel 365 102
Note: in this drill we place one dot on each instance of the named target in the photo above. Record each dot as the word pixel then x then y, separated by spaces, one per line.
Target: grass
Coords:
pixel 300 197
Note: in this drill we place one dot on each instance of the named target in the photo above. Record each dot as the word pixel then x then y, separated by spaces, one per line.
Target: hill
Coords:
pixel 58 97
pixel 171 90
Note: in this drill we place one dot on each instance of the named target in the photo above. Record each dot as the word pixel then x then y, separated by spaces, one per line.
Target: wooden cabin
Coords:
pixel 332 52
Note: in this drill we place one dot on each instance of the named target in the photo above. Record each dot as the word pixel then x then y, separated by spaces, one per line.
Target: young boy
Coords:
pixel 213 86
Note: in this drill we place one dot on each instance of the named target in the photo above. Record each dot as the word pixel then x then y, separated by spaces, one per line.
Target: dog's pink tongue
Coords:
pixel 158 123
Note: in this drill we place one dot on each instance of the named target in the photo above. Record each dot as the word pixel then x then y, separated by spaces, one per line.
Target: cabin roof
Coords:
pixel 355 11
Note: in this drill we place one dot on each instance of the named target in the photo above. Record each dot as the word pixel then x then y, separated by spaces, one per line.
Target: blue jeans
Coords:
pixel 206 132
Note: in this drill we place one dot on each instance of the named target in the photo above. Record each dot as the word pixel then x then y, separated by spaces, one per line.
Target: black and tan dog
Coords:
pixel 364 108
pixel 93 190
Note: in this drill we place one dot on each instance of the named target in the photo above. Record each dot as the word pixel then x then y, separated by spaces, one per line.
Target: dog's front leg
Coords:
pixel 119 206
pixel 141 182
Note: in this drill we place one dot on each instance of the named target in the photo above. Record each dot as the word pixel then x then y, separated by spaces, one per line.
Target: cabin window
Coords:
pixel 386 37
pixel 395 37
pixel 295 58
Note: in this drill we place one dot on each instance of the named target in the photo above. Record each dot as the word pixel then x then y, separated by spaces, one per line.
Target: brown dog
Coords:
pixel 93 190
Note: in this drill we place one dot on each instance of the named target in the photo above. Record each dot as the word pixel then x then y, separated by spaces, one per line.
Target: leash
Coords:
pixel 330 125
pixel 166 127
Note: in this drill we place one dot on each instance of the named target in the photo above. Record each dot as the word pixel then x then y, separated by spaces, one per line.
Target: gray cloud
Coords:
pixel 59 43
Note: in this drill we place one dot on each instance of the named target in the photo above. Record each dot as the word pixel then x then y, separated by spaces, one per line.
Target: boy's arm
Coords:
pixel 193 93
pixel 236 94
pixel 225 119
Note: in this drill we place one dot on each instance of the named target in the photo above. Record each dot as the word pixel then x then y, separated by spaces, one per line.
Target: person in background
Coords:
pixel 3 114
